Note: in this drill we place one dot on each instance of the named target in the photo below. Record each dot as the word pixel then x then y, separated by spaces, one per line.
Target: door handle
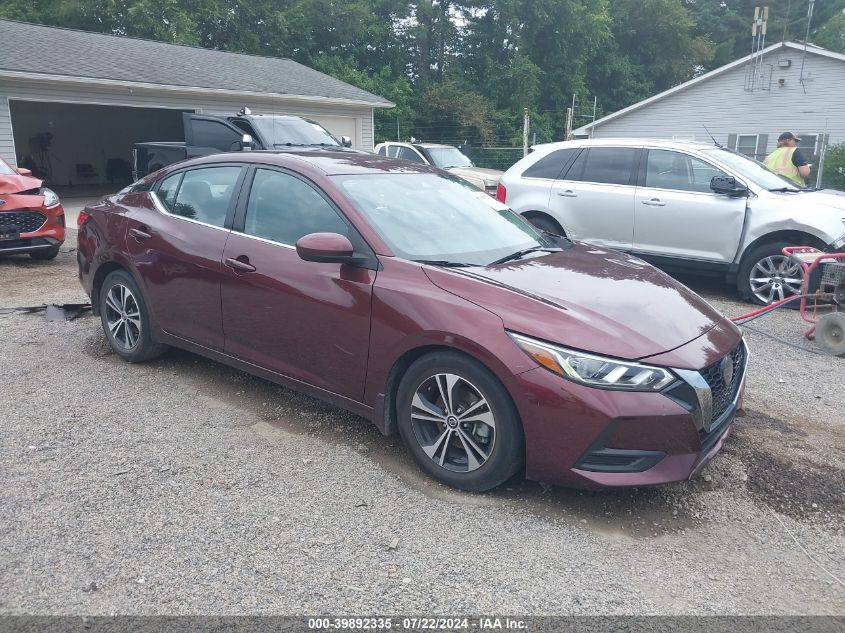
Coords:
pixel 567 194
pixel 239 265
pixel 654 202
pixel 139 235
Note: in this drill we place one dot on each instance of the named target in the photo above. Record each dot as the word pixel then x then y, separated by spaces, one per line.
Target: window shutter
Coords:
pixel 732 141
pixel 762 144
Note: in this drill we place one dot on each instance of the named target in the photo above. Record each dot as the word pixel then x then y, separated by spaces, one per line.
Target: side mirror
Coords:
pixel 23 171
pixel 247 143
pixel 727 185
pixel 346 141
pixel 325 248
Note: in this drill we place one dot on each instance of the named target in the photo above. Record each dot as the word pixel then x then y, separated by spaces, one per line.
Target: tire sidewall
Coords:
pixel 146 347
pixel 837 348
pixel 508 452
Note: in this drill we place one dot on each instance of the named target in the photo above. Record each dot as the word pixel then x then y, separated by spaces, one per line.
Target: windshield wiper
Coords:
pixel 786 190
pixel 444 262
pixel 523 253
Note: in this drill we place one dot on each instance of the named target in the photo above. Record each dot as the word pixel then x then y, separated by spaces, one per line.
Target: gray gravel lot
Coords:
pixel 184 487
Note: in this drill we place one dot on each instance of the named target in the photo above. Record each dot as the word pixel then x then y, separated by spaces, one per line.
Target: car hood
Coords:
pixel 590 299
pixel 826 197
pixel 15 183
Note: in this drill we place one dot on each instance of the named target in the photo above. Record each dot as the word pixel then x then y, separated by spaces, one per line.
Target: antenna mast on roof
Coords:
pixel 806 37
pixel 758 43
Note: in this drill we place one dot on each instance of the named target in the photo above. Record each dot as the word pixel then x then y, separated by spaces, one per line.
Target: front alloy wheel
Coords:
pixel 774 278
pixel 453 423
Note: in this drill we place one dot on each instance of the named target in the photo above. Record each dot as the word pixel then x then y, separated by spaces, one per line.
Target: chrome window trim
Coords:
pixel 162 209
pixel 264 239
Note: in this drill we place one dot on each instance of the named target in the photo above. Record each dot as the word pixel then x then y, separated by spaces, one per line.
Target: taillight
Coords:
pixel 501 193
pixel 82 218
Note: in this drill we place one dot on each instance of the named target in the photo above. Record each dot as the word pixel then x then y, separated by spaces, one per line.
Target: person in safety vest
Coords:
pixel 787 160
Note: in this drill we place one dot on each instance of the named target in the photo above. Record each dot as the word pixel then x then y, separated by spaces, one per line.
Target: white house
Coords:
pixel 745 104
pixel 71 98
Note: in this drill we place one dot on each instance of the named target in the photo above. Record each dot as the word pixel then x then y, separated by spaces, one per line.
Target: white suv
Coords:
pixel 687 207
pixel 446 157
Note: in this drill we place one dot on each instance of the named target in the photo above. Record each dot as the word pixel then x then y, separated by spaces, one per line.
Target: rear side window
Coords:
pixel 167 190
pixel 382 151
pixel 549 167
pixel 204 194
pixel 215 134
pixel 609 165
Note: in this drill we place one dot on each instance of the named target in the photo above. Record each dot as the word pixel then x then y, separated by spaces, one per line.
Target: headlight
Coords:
pixel 592 370
pixel 50 197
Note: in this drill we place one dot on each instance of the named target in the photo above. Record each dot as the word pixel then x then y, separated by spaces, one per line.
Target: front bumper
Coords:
pixel 46 235
pixel 588 438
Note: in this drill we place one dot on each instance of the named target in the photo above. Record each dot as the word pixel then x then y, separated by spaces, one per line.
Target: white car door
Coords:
pixel 678 215
pixel 594 201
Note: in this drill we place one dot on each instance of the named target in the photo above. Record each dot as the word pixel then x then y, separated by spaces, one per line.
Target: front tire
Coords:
pixel 125 319
pixel 459 423
pixel 766 275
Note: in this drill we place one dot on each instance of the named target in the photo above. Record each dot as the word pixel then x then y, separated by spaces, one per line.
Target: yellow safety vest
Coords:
pixel 780 162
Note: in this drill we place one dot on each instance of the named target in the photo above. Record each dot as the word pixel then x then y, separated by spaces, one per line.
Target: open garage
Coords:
pixel 70 144
pixel 72 103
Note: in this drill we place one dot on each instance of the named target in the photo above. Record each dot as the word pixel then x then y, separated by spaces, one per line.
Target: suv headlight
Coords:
pixel 592 370
pixel 50 197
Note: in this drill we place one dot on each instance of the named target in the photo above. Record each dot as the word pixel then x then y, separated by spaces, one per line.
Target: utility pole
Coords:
pixel 567 133
pixel 525 125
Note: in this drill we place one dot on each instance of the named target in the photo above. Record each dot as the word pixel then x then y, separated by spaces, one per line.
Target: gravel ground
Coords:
pixel 184 487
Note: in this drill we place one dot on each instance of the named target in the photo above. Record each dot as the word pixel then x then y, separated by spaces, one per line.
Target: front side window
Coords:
pixel 433 217
pixel 608 165
pixel 284 208
pixel 750 169
pixel 215 134
pixel 205 194
pixel 408 154
pixel 675 170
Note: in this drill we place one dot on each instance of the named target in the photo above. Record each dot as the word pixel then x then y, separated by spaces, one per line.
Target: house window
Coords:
pixel 747 144
pixel 808 143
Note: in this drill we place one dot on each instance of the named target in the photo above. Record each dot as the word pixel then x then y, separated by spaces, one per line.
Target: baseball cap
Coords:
pixel 788 136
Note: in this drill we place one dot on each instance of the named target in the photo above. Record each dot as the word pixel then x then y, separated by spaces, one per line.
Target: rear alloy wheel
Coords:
pixel 459 422
pixel 767 275
pixel 125 321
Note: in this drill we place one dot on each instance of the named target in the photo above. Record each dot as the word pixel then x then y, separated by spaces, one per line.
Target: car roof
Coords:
pixel 627 142
pixel 328 162
pixel 425 145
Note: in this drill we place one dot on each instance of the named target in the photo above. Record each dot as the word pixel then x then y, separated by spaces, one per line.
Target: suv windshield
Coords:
pixel 282 131
pixel 437 218
pixel 446 157
pixel 756 172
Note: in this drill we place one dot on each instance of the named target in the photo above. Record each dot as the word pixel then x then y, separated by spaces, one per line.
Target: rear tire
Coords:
pixel 830 333
pixel 46 253
pixel 545 223
pixel 125 319
pixel 458 422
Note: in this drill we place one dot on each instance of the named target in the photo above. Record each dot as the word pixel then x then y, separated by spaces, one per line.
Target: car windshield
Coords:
pixel 446 157
pixel 439 219
pixel 756 172
pixel 285 131
pixel 5 168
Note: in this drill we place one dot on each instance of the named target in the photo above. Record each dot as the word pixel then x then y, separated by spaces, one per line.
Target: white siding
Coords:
pixel 31 90
pixel 725 107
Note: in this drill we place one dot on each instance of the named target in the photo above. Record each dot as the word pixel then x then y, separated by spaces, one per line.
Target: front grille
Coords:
pixel 723 393
pixel 21 221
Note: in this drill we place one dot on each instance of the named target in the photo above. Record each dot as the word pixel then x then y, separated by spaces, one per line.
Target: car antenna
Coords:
pixel 713 138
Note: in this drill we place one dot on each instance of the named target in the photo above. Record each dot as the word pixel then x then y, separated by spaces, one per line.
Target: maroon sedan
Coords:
pixel 409 297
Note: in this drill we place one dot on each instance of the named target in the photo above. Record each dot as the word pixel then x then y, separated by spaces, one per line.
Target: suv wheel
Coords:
pixel 125 319
pixel 458 422
pixel 766 275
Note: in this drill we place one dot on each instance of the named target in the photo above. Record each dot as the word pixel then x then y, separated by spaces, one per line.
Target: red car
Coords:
pixel 31 218
pixel 405 295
